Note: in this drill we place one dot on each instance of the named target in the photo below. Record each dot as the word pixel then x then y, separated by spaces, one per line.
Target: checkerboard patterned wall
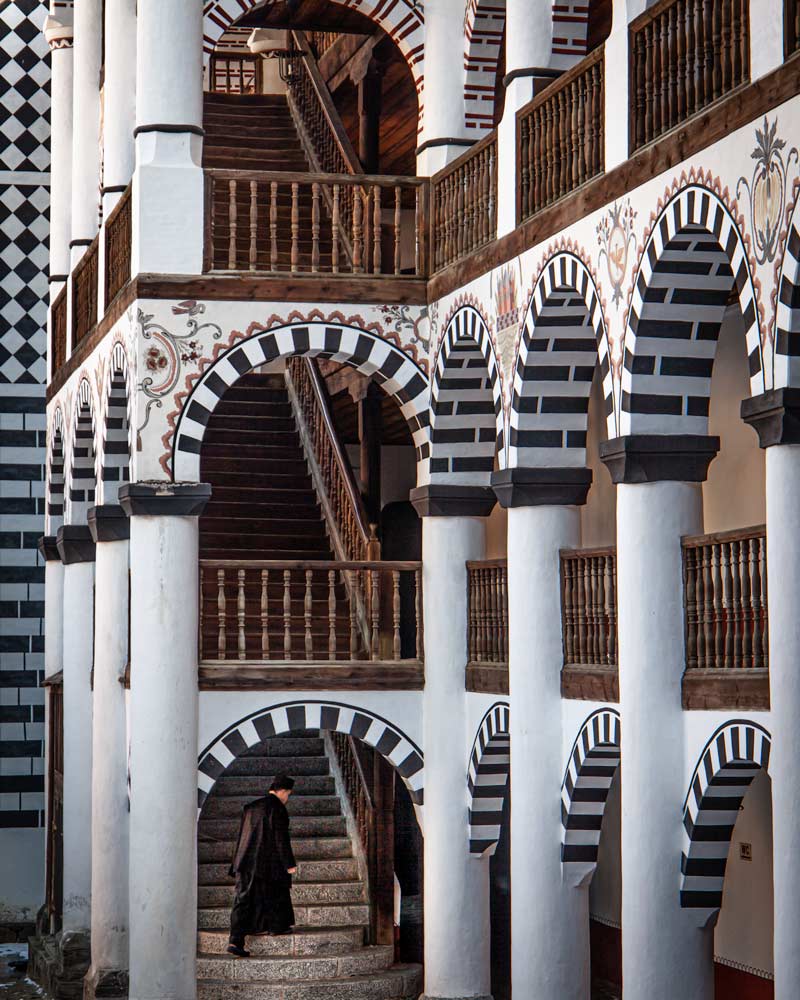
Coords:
pixel 24 207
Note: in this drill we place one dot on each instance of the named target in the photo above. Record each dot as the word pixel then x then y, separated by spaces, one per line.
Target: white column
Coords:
pixel 616 83
pixel 86 125
pixel 766 43
pixel 77 553
pixel 168 181
pixel 119 97
pixel 107 975
pixel 443 97
pixel 665 954
pixel 53 606
pixel 456 891
pixel 163 735
pixel 58 32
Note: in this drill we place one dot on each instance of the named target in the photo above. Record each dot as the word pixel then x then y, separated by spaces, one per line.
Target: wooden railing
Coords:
pixel 118 247
pixel 589 607
pixel 59 330
pixel 725 600
pixel 487 612
pixel 235 74
pixel 684 55
pixel 561 137
pixel 464 203
pixel 351 533
pixel 287 611
pixel 791 27
pixel 84 293
pixel 280 222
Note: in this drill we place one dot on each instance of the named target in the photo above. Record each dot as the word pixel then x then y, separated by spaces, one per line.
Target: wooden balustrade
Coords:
pixel 791 27
pixel 589 607
pixel 342 503
pixel 84 293
pixel 464 203
pixel 561 137
pixel 725 601
pixel 58 342
pixel 487 611
pixel 684 55
pixel 234 73
pixel 310 611
pixel 118 246
pixel 296 223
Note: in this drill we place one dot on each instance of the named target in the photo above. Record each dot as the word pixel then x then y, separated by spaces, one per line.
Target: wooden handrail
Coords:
pixel 403 565
pixel 736 535
pixel 454 165
pixel 561 82
pixel 290 176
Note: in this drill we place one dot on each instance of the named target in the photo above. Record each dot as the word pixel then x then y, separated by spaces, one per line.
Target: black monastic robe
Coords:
pixel 261 864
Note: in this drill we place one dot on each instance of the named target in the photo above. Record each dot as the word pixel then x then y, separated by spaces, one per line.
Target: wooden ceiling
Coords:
pixel 308 15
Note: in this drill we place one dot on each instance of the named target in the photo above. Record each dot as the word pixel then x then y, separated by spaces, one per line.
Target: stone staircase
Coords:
pixel 326 958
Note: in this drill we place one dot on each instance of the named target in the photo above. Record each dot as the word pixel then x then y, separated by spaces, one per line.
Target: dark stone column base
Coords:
pixel 106 983
pixel 59 962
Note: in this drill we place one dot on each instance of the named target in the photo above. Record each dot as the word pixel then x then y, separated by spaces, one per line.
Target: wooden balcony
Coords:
pixel 59 330
pixel 84 293
pixel 589 624
pixel 318 625
pixel 684 56
pixel 118 234
pixel 487 626
pixel 727 629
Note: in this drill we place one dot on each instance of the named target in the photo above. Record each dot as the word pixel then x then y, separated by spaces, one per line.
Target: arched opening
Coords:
pixel 83 475
pixel 116 435
pixel 55 479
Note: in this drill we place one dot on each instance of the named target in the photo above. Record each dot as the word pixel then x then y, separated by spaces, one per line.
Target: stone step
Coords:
pixel 329 915
pixel 303 827
pixel 333 848
pixel 363 962
pixel 311 784
pixel 303 894
pixel 303 805
pixel 261 766
pixel 311 941
pixel 289 746
pixel 403 982
pixel 344 870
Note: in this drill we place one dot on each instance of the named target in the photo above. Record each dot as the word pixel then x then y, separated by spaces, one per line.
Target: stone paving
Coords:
pixel 13 983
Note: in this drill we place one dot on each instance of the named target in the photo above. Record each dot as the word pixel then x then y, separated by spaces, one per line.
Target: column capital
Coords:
pixel 48 548
pixel 162 498
pixel 774 415
pixel 545 486
pixel 58 30
pixel 108 522
pixel 655 458
pixel 75 544
pixel 446 500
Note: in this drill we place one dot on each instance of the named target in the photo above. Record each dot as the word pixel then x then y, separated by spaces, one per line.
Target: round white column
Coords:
pixel 665 954
pixel 53 605
pixel 163 737
pixel 76 548
pixel 86 126
pixel 108 972
pixel 119 96
pixel 776 417
pixel 168 207
pixel 58 32
pixel 456 890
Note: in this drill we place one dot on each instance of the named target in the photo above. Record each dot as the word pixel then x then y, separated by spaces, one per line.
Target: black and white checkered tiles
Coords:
pixel 729 762
pixel 24 226
pixel 488 781
pixel 398 749
pixel 562 338
pixel 466 402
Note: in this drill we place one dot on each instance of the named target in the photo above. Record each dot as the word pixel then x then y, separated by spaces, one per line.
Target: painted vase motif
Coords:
pixel 615 236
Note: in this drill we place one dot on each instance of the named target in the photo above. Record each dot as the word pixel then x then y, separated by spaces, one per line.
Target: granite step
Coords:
pixel 260 766
pixel 328 915
pixel 311 784
pixel 289 746
pixel 303 942
pixel 403 982
pixel 344 870
pixel 334 848
pixel 303 805
pixel 365 961
pixel 303 894
pixel 303 827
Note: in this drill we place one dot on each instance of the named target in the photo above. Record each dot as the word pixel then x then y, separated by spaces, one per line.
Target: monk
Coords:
pixel 263 865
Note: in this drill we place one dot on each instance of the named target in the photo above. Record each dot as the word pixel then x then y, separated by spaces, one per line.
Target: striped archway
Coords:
pixel 293 716
pixel 488 782
pixel 730 760
pixel 693 263
pixel 562 340
pixel 787 318
pixel 116 458
pixel 82 469
pixel 370 354
pixel 466 403
pixel 590 771
pixel 55 473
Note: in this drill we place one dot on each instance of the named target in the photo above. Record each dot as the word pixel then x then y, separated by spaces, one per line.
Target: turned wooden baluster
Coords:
pixel 759 647
pixel 232 225
pixel 699 571
pixel 525 162
pixel 335 224
pixel 566 609
pixel 241 607
pixel 375 612
pixel 747 605
pixel 719 632
pixel 708 608
pixel 418 612
pixel 597 612
pixel 265 614
pixel 396 649
pixel 221 607
pixel 287 614
pixel 273 226
pixel 689 80
pixel 308 614
pixel 708 46
pixel 649 84
pixel 690 570
pixel 314 227
pixel 418 217
pixel 357 235
pixel 376 230
pixel 471 643
pixel 726 53
pixel 717 54
pixel 398 218
pixel 295 254
pixel 202 614
pixel 580 600
pixel 607 640
pixel 727 600
pixel 679 107
pixel 253 225
pixel 736 597
pixel 354 593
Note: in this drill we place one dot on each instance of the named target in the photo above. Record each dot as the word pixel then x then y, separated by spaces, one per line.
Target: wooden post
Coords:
pixel 383 898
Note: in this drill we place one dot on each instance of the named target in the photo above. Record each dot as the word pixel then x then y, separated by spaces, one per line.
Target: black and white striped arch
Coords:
pixel 466 403
pixel 488 782
pixel 562 340
pixel 592 765
pixel 116 458
pixel 693 263
pixel 55 473
pixel 82 473
pixel 404 755
pixel 729 762
pixel 370 354
pixel 787 325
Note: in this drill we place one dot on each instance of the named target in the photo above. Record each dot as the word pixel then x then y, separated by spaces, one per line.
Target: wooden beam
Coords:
pixel 726 690
pixel 344 675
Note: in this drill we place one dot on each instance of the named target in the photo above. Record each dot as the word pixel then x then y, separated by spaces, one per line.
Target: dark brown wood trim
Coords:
pixel 590 683
pixel 691 137
pixel 318 676
pixel 726 690
pixel 484 679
